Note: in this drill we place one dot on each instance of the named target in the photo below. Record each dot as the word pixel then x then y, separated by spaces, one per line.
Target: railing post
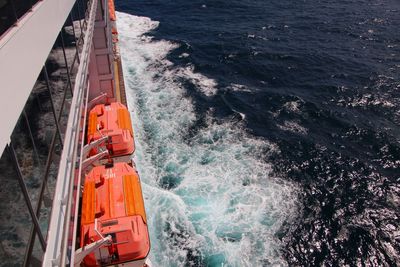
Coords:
pixel 46 75
pixel 79 15
pixel 31 136
pixel 66 62
pixel 76 41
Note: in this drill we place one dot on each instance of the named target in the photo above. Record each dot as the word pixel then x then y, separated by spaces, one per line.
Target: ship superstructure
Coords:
pixel 59 61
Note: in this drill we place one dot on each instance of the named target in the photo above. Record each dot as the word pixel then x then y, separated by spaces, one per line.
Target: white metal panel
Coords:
pixel 23 51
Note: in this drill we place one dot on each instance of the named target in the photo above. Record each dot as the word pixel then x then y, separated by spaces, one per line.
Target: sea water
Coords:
pixel 210 197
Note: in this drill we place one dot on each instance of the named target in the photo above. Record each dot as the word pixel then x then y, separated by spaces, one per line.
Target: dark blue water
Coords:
pixel 319 80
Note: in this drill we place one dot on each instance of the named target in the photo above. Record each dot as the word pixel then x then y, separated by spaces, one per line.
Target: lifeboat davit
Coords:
pixel 112 120
pixel 113 207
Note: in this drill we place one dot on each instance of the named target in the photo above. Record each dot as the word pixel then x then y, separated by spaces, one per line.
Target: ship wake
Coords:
pixel 210 197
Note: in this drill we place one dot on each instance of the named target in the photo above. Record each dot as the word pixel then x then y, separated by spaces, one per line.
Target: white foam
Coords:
pixel 293 126
pixel 240 88
pixel 223 205
pixel 135 28
pixel 184 55
pixel 206 85
pixel 294 106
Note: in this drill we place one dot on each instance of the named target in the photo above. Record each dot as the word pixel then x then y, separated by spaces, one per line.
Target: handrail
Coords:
pixel 59 227
pixel 49 161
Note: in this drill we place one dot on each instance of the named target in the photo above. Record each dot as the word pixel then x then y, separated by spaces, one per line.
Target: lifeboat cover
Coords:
pixel 112 120
pixel 113 196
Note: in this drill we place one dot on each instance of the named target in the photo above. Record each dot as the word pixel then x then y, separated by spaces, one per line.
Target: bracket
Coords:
pixel 81 253
pixel 97 100
pixel 88 162
pixel 94 144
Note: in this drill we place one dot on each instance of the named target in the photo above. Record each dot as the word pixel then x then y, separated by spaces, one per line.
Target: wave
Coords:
pixel 210 196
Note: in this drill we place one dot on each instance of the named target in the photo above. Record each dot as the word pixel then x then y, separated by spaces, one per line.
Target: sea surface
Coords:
pixel 267 132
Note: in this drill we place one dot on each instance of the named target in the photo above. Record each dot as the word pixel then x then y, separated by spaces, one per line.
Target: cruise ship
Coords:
pixel 70 194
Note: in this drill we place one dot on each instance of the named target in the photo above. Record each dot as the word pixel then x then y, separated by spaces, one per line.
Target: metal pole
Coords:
pixel 39 203
pixel 66 62
pixel 87 13
pixel 43 185
pixel 31 136
pixel 46 76
pixel 26 195
pixel 79 16
pixel 76 40
pixel 38 102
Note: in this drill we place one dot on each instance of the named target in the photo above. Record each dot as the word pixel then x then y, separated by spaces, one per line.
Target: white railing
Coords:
pixel 58 252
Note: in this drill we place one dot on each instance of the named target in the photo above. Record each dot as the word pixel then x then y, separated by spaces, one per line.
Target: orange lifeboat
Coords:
pixel 111 8
pixel 112 206
pixel 112 120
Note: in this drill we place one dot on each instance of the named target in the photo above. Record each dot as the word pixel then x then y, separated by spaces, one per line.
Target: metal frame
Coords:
pixel 24 190
pixel 46 76
pixel 76 40
pixel 78 8
pixel 49 160
pixel 61 38
pixel 63 223
pixel 58 245
pixel 31 136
